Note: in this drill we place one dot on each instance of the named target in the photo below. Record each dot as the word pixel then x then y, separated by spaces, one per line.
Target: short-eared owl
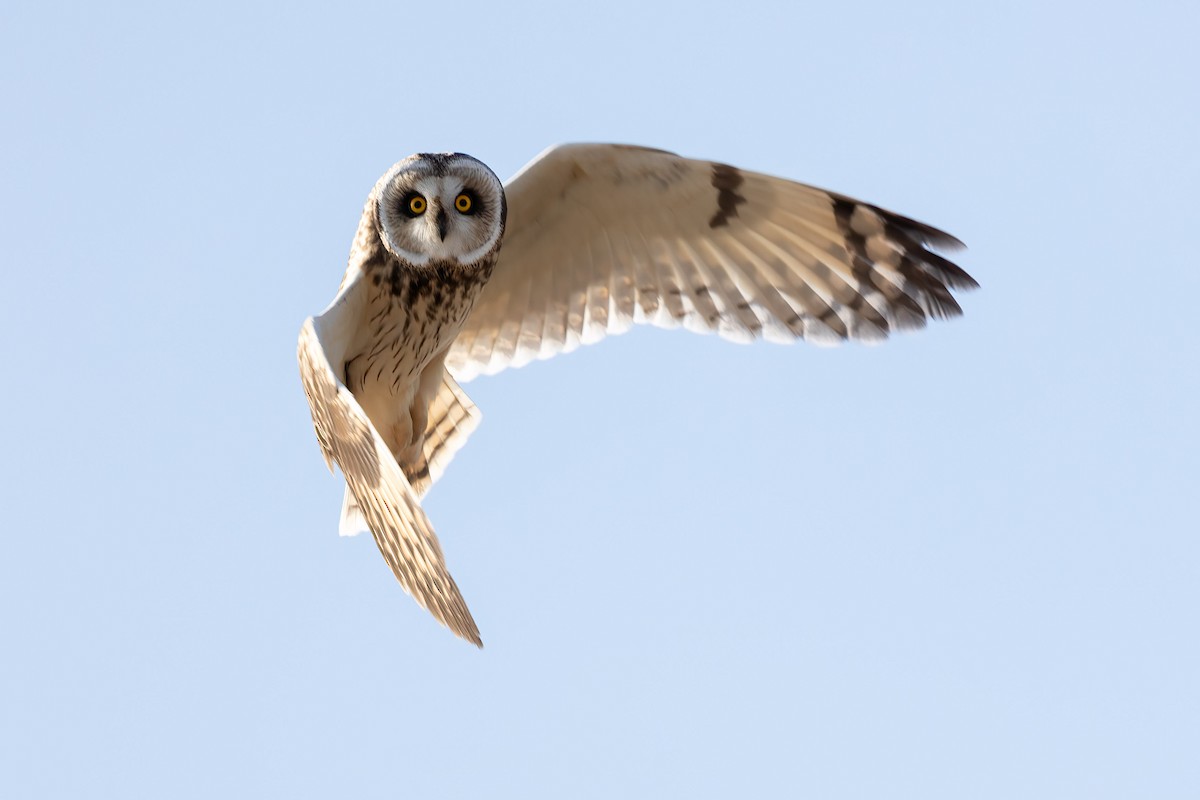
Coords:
pixel 596 237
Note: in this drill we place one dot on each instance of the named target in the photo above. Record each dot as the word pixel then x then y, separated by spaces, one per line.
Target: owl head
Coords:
pixel 435 208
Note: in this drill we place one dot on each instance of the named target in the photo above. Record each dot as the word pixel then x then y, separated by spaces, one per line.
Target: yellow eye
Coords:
pixel 416 205
pixel 463 203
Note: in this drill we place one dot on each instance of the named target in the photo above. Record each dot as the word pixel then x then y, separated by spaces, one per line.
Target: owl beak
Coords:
pixel 442 222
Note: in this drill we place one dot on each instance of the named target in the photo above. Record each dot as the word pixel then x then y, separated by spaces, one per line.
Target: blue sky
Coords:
pixel 961 564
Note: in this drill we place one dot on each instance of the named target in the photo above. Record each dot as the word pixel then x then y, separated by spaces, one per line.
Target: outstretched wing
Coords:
pixel 602 236
pixel 389 504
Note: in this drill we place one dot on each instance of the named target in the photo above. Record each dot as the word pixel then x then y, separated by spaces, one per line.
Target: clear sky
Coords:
pixel 964 564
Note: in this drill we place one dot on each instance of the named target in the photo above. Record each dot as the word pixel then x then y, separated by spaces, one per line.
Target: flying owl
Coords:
pixel 453 274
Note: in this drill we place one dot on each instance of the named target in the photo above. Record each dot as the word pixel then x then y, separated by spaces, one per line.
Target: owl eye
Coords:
pixel 464 203
pixel 415 205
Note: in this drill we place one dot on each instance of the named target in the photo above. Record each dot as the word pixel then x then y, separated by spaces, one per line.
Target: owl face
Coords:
pixel 440 207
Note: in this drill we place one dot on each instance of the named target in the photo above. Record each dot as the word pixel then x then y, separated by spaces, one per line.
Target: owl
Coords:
pixel 453 274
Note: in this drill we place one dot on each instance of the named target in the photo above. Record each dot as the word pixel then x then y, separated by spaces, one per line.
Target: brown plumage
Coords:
pixel 599 237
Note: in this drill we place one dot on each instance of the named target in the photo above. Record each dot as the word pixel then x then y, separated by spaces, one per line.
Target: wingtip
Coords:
pixel 949 243
pixel 470 635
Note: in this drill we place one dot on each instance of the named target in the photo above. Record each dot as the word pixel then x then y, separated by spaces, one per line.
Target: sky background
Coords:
pixel 961 564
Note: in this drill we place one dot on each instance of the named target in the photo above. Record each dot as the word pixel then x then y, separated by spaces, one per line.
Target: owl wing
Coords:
pixel 387 500
pixel 602 236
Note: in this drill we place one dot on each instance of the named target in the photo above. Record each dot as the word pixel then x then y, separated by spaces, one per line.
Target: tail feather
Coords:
pixel 452 418
pixel 352 522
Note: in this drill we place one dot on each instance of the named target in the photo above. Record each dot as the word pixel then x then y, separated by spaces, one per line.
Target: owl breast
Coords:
pixel 414 314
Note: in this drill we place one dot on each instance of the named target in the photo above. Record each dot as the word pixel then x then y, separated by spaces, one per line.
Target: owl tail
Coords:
pixel 452 418
pixel 352 522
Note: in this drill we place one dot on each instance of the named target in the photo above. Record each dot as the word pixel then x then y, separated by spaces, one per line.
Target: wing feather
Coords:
pixel 402 532
pixel 604 236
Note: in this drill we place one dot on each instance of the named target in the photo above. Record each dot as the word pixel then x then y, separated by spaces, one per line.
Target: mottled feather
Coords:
pixel 384 496
pixel 599 238
pixel 605 236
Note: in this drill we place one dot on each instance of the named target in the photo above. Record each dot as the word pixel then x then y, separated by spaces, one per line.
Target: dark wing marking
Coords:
pixel 601 237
